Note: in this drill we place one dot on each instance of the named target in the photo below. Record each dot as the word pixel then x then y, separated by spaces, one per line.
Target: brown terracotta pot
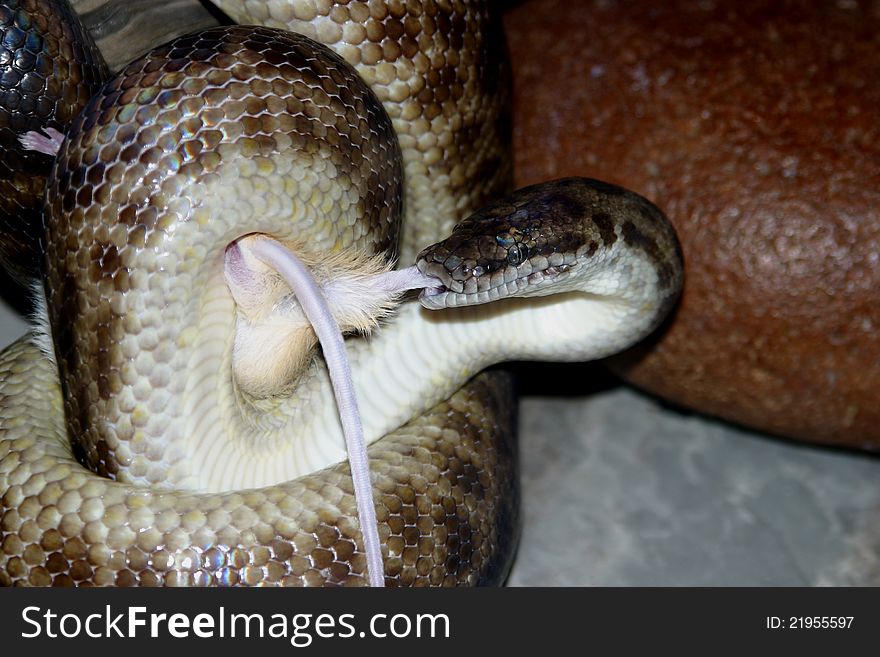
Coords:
pixel 756 127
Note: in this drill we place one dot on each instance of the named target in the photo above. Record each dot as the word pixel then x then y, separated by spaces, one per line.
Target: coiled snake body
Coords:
pixel 194 479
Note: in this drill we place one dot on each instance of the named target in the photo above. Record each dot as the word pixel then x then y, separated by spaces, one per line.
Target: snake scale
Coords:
pixel 193 478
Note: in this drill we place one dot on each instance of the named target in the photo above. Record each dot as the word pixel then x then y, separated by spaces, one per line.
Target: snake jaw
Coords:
pixel 471 284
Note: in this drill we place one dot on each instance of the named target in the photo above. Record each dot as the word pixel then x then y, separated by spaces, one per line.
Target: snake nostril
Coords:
pixel 461 272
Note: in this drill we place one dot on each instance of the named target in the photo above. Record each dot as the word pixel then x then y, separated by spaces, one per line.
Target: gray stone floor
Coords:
pixel 619 490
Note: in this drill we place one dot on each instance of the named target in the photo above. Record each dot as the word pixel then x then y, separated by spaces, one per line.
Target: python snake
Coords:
pixel 196 477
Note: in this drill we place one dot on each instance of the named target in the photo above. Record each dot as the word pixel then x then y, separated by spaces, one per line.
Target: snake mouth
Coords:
pixel 479 287
pixel 435 298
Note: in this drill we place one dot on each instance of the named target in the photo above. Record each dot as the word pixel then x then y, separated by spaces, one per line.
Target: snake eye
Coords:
pixel 517 253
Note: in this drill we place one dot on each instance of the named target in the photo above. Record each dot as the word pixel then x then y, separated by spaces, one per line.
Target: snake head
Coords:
pixel 567 235
pixel 526 244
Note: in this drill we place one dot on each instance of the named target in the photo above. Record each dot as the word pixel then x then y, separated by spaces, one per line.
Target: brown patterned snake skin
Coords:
pixel 232 131
pixel 43 87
